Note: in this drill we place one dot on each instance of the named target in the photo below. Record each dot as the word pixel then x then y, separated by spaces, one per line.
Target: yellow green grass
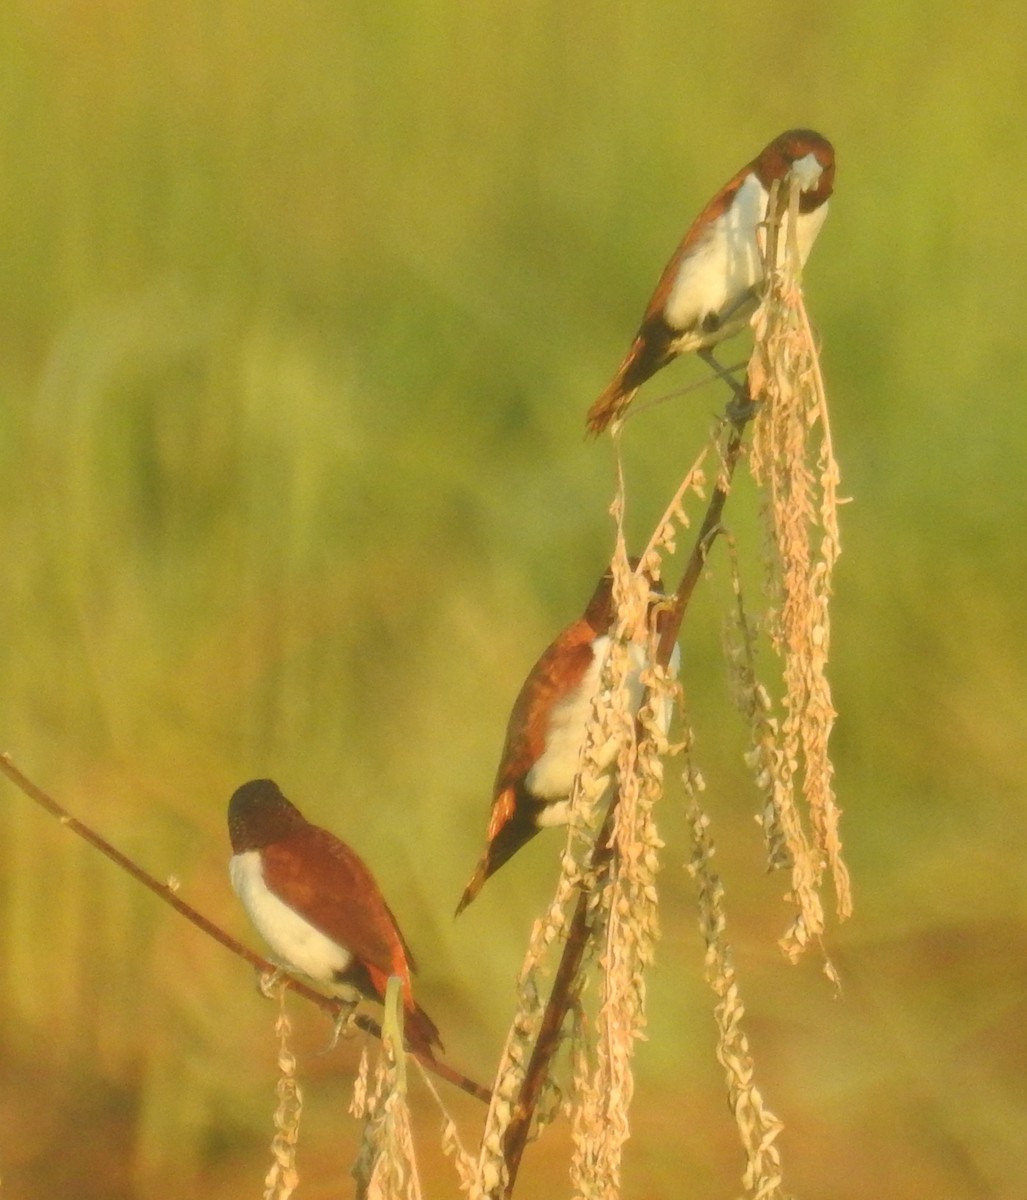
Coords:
pixel 302 308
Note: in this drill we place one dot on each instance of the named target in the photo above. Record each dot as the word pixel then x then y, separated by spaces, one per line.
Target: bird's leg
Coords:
pixel 742 407
pixel 706 354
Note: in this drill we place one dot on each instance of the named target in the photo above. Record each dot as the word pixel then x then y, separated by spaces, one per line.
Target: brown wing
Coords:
pixel 652 347
pixel 559 671
pixel 698 230
pixel 512 815
pixel 321 878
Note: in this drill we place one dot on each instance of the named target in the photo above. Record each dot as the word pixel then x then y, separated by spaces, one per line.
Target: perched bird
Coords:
pixel 709 289
pixel 317 905
pixel 546 732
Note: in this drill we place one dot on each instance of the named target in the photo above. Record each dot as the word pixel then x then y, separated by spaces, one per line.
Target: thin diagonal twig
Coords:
pixel 168 894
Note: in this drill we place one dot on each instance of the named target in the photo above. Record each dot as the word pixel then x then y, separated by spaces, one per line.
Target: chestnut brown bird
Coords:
pixel 315 903
pixel 710 288
pixel 546 732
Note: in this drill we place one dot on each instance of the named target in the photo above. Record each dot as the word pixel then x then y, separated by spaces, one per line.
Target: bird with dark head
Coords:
pixel 710 288
pixel 318 907
pixel 546 731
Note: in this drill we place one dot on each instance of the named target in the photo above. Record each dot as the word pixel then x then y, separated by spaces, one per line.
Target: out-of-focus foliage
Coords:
pixel 301 309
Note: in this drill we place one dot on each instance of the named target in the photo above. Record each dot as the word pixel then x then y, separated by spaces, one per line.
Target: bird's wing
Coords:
pixel 512 816
pixel 697 233
pixel 560 669
pixel 321 878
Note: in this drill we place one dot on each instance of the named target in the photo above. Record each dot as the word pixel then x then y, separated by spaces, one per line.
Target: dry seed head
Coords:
pixel 793 461
pixel 453 1148
pixel 758 1127
pixel 283 1178
pixel 604 1083
pixel 386 1166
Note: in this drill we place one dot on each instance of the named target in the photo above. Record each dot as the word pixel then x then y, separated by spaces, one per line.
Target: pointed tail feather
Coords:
pixel 655 344
pixel 614 400
pixel 521 828
pixel 422 1034
pixel 474 886
pixel 620 391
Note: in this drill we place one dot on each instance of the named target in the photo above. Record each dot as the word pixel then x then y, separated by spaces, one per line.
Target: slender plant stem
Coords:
pixel 565 989
pixel 333 1007
pixel 738 418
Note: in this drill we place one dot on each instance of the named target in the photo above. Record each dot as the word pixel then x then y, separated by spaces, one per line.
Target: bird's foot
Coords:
pixel 742 408
pixel 270 982
pixel 343 1024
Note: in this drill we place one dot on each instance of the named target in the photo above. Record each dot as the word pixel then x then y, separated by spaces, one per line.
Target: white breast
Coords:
pixel 806 229
pixel 727 264
pixel 291 938
pixel 552 776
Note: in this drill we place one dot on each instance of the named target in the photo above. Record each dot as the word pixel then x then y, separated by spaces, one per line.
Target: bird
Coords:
pixel 318 907
pixel 710 288
pixel 546 731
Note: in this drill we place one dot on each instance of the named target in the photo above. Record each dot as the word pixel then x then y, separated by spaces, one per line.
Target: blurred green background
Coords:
pixel 301 308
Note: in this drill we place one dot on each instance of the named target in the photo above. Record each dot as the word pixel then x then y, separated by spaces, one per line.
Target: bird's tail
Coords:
pixel 506 841
pixel 422 1034
pixel 613 401
pixel 655 344
pixel 477 882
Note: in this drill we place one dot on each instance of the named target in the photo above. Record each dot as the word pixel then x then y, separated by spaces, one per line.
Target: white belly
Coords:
pixel 552 776
pixel 723 265
pixel 291 938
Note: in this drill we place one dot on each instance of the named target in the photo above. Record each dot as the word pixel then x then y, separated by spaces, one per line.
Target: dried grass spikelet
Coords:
pixel 464 1163
pixel 758 1127
pixel 386 1167
pixel 675 516
pixel 612 721
pixel 626 896
pixel 793 461
pixel 283 1178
